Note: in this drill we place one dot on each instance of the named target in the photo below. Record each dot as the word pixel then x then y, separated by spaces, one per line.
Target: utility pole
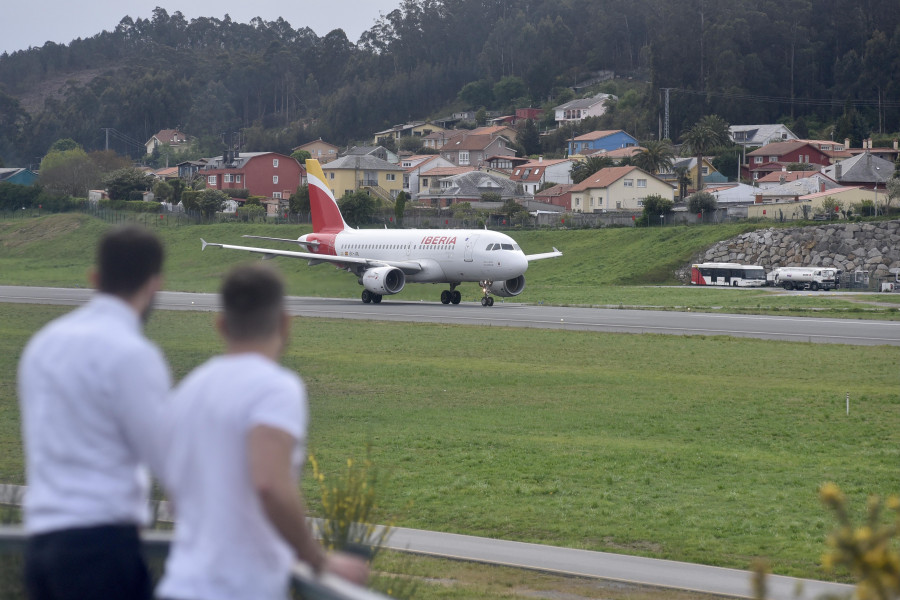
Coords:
pixel 106 129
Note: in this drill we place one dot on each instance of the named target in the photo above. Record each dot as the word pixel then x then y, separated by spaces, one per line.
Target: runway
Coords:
pixel 856 332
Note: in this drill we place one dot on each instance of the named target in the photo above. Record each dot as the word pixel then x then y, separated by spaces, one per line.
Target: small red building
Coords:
pixel 266 174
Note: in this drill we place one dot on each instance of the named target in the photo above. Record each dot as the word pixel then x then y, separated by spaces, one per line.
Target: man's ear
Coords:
pixel 94 277
pixel 220 325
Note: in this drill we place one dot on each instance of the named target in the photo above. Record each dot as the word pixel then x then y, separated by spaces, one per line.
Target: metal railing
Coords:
pixel 156 544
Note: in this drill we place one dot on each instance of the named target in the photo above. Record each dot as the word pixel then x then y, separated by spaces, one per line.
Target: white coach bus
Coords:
pixel 730 274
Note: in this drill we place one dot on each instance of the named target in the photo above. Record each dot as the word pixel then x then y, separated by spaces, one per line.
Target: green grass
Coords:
pixel 599 267
pixel 707 450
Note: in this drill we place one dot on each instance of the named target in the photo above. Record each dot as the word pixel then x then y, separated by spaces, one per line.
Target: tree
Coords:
pixel 299 201
pixel 209 202
pixel 491 197
pixel 162 191
pixel 63 145
pixel 357 208
pixel 655 205
pixel 831 207
pixel 301 156
pixel 119 184
pixel 410 143
pixel 69 172
pixel 583 169
pixel 708 133
pixel 513 210
pixel 657 155
pixel 529 138
pixel 684 181
pixel 509 88
pixel 701 202
pixel 477 93
pixel 400 207
pixel 892 190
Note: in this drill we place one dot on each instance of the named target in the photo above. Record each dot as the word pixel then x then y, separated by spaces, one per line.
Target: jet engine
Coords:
pixel 383 280
pixel 510 287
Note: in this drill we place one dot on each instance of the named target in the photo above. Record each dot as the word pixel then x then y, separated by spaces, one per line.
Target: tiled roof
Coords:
pixel 448 171
pixel 557 190
pixel 788 176
pixel 469 142
pixel 597 135
pixel 604 178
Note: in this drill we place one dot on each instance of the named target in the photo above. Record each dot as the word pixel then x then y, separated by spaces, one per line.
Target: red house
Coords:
pixel 266 174
pixel 772 157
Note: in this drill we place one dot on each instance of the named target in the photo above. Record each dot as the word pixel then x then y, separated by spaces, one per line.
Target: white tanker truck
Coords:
pixel 801 278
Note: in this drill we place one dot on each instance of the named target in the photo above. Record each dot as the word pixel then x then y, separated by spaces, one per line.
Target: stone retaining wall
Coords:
pixel 874 247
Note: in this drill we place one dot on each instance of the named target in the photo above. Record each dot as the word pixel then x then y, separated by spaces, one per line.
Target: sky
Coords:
pixel 24 24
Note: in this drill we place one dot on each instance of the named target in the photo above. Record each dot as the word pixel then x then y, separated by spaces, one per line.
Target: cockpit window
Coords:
pixel 516 246
pixel 507 246
pixel 490 247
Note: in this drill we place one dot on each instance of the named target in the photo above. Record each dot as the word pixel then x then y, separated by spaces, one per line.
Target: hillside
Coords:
pixel 822 63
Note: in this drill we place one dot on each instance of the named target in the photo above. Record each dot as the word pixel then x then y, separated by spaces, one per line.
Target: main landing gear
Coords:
pixel 368 296
pixel 451 296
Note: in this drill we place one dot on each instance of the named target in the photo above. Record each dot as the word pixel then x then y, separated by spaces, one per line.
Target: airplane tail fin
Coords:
pixel 326 216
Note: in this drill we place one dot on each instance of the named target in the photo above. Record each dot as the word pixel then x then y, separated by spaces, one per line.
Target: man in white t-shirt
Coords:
pixel 237 446
pixel 91 390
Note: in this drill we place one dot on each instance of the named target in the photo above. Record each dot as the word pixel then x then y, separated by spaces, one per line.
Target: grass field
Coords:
pixel 609 267
pixel 708 450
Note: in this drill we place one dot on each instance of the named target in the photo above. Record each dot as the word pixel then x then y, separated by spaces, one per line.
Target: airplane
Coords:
pixel 384 260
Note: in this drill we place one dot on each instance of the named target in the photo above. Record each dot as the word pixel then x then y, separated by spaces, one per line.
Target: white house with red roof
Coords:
pixel 418 166
pixel 618 189
pixel 167 138
pixel 532 175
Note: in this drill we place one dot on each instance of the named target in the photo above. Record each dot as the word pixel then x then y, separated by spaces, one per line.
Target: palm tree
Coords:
pixel 708 133
pixel 587 167
pixel 684 180
pixel 656 155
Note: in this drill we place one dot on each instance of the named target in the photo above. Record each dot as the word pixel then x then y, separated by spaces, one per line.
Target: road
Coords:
pixel 798 329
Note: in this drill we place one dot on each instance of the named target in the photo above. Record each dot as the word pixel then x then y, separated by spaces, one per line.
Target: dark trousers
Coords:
pixel 91 563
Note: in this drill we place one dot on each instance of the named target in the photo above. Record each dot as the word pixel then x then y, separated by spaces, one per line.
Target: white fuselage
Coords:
pixel 445 255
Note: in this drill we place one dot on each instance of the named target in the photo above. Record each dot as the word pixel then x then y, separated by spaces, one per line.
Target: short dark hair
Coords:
pixel 127 258
pixel 253 296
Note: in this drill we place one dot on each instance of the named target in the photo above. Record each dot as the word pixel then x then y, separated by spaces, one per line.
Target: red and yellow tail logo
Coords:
pixel 326 216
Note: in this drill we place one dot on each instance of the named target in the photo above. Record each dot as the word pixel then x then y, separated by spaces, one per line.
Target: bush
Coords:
pixel 143 207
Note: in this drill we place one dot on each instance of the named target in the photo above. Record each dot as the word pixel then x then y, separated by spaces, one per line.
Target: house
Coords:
pixel 190 168
pixel 617 156
pixel 618 189
pixel 601 140
pixel 523 114
pixel 510 133
pixel 20 176
pixel 791 190
pixel 349 174
pixel 172 139
pixel 559 195
pixel 783 176
pixel 319 150
pixel 267 174
pixel 417 168
pixel 505 164
pixel 772 157
pixel 891 154
pixel 167 173
pixel 418 128
pixel 865 169
pixel 532 175
pixel 710 174
pixel 437 139
pixel 576 110
pixel 760 135
pixel 376 151
pixel 806 205
pixel 473 149
pixel 469 187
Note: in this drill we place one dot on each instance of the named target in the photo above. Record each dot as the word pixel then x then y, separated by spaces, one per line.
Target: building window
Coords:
pixel 274 178
pixel 425 182
pixel 274 162
pixel 643 182
pixel 705 170
pixel 331 175
pixel 211 180
pixel 773 159
pixel 758 160
pixel 463 158
pixel 276 195
pixel 237 178
pixel 228 178
pixel 629 183
pixel 391 177
pixel 640 202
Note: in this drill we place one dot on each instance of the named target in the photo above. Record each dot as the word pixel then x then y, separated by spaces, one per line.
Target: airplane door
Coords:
pixel 470 247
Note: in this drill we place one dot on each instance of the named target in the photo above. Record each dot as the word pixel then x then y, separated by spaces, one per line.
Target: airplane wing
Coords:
pixel 274 239
pixel 408 267
pixel 554 254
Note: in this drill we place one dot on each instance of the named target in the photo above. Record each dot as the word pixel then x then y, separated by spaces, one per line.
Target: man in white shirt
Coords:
pixel 91 389
pixel 237 446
